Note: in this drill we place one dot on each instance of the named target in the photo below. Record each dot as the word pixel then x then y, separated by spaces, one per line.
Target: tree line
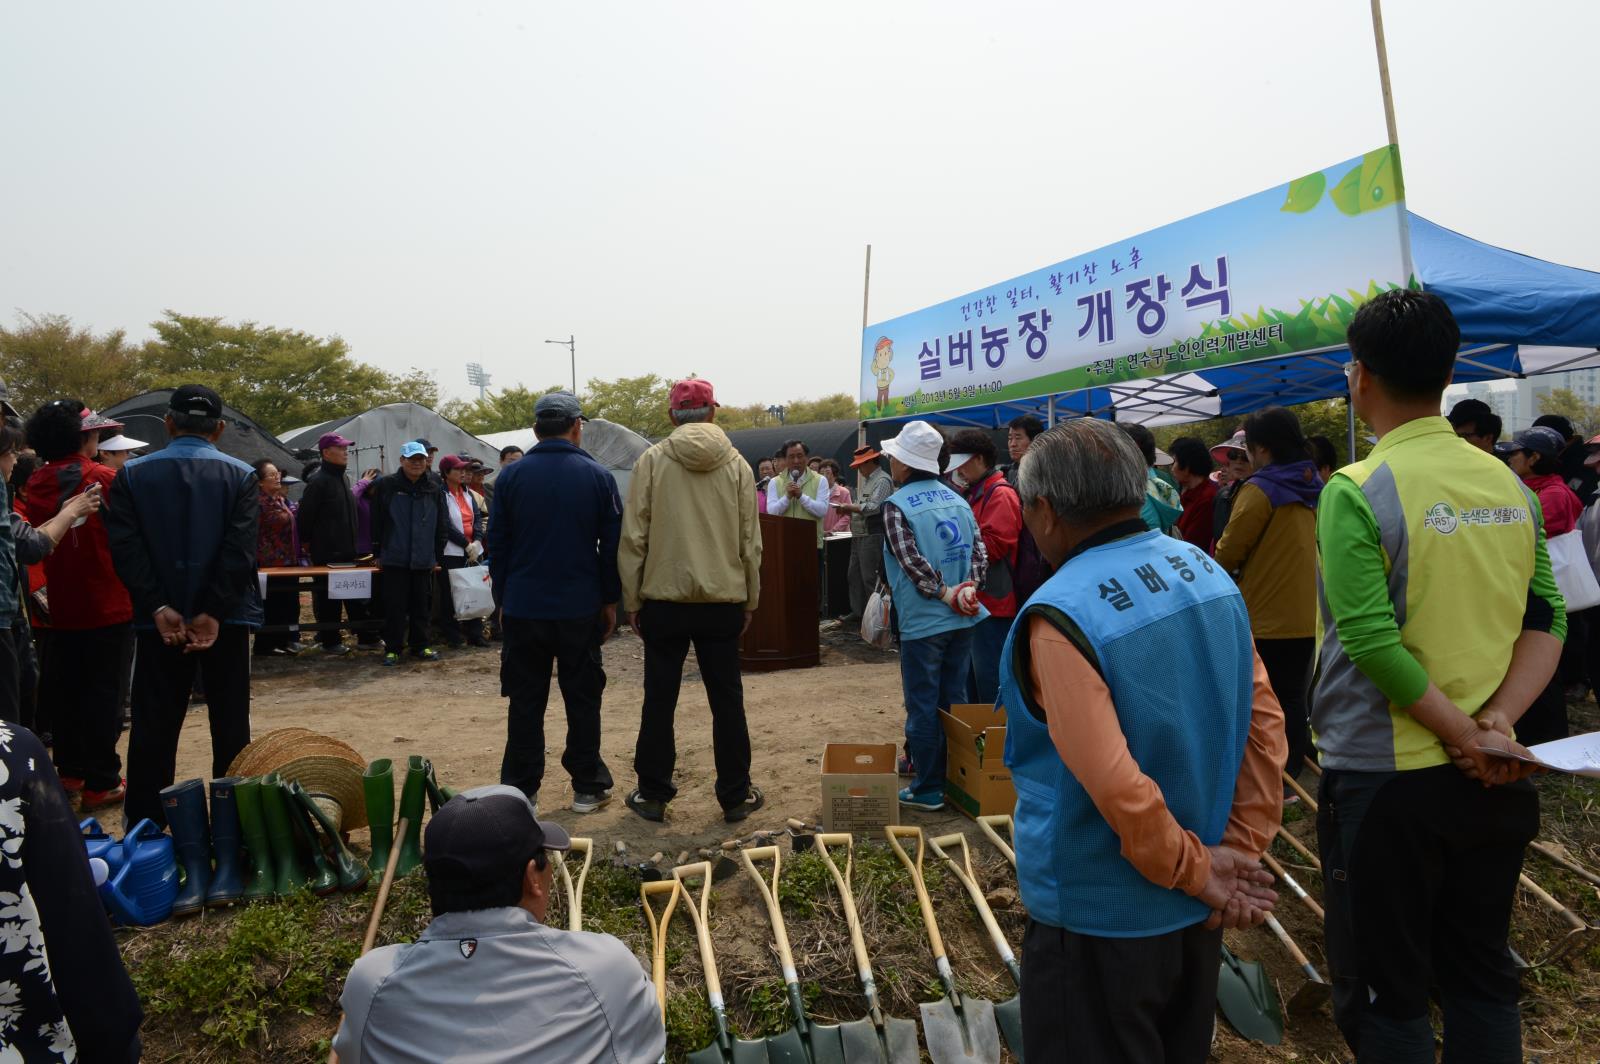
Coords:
pixel 285 378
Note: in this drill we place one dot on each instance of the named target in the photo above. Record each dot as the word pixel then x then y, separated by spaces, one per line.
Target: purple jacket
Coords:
pixel 363 517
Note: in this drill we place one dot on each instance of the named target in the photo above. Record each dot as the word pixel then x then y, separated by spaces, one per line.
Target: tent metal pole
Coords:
pixel 1050 412
pixel 1350 427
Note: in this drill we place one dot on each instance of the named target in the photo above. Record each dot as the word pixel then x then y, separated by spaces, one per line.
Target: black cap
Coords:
pixel 426 446
pixel 195 399
pixel 486 834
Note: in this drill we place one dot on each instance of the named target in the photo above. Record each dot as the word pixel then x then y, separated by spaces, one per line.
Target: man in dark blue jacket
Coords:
pixel 408 536
pixel 182 529
pixel 553 531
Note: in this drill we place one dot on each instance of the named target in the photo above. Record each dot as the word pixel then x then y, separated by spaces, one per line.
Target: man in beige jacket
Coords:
pixel 690 563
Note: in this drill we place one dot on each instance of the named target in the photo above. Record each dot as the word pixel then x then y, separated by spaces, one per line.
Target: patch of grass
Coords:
pixel 275 960
pixel 690 1023
pixel 804 882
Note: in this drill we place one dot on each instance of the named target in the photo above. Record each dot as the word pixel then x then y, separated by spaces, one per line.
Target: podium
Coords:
pixel 783 632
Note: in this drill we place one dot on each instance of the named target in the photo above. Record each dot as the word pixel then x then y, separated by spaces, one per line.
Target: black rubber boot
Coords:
pixel 185 807
pixel 227 881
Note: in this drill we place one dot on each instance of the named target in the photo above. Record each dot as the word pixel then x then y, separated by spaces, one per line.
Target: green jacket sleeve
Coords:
pixel 1355 581
pixel 1542 586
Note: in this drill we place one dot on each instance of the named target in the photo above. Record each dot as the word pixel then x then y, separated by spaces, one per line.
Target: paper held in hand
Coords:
pixel 1576 754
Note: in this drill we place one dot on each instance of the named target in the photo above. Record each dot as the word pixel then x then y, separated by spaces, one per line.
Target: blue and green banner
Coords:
pixel 1271 274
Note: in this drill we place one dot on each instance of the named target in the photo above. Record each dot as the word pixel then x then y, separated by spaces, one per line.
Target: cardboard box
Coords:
pixel 977 781
pixel 860 790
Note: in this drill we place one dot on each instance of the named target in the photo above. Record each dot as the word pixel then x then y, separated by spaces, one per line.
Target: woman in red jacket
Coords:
pixel 999 512
pixel 1535 456
pixel 90 613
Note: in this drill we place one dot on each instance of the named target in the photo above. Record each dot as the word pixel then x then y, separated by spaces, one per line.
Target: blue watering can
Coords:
pixel 143 871
pixel 101 845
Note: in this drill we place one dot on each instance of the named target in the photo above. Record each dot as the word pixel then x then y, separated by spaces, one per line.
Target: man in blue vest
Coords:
pixel 1145 742
pixel 933 559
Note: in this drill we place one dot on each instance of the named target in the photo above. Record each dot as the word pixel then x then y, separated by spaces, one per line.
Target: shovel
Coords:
pixel 1315 990
pixel 658 933
pixel 819 1043
pixel 989 824
pixel 956 1028
pixel 721 1049
pixel 575 894
pixel 1008 1013
pixel 1247 1000
pixel 879 1039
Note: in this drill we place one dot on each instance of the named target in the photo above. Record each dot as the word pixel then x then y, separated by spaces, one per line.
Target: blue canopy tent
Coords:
pixel 1519 316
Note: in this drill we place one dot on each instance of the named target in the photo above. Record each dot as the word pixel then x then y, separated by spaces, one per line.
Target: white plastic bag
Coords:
pixel 1574 575
pixel 875 627
pixel 471 592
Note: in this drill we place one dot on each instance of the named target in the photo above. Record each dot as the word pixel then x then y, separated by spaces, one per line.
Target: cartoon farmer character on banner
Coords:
pixel 882 355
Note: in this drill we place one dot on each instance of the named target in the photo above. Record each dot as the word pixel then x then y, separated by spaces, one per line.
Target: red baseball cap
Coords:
pixel 692 394
pixel 451 461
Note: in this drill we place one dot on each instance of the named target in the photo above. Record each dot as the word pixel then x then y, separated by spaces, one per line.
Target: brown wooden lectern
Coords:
pixel 783 632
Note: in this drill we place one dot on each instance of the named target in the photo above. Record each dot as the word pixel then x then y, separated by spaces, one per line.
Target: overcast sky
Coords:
pixel 689 187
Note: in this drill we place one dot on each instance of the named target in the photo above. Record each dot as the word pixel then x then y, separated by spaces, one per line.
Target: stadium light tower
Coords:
pixel 571 344
pixel 476 376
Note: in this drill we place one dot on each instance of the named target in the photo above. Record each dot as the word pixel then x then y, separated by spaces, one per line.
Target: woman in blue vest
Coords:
pixel 1145 744
pixel 933 559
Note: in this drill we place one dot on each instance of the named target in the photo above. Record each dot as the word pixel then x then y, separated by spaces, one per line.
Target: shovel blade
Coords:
pixel 827 1044
pixel 785 1048
pixel 1008 1015
pixel 975 1041
pixel 711 1054
pixel 1310 997
pixel 1248 1001
pixel 863 1046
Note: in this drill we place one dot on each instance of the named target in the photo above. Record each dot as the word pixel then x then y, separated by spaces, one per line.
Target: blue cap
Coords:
pixel 558 406
pixel 413 450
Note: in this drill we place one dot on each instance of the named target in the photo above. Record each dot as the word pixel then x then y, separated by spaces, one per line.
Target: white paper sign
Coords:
pixel 355 584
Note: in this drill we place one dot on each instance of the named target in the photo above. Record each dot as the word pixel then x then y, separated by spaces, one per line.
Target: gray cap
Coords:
pixel 557 406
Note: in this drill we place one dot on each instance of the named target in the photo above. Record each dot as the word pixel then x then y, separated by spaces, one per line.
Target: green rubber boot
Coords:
pixel 253 826
pixel 323 881
pixel 287 875
pixel 418 769
pixel 352 873
pixel 437 795
pixel 378 786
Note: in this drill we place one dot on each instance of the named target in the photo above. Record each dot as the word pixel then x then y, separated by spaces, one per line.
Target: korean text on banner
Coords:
pixel 1276 273
pixel 353 584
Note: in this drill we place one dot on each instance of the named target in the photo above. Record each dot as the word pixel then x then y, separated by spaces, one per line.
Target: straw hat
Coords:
pixel 329 770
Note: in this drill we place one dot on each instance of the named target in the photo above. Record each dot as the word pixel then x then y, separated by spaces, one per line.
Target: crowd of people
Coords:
pixel 1301 613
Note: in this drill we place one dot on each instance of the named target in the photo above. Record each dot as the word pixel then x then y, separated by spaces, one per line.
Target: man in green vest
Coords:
pixel 1442 624
pixel 799 491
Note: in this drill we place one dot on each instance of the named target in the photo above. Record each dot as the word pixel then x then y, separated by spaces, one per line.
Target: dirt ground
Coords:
pixel 452 713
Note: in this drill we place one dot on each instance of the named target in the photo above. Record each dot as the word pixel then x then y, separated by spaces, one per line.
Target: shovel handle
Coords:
pixel 1560 857
pixel 988 824
pixel 769 895
pixel 673 888
pixel 1573 920
pixel 895 832
pixel 1305 795
pixel 1300 847
pixel 1294 950
pixel 1294 887
pixel 963 872
pixel 700 915
pixel 847 898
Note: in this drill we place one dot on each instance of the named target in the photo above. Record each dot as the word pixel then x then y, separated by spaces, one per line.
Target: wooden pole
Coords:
pixel 866 292
pixel 1383 70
